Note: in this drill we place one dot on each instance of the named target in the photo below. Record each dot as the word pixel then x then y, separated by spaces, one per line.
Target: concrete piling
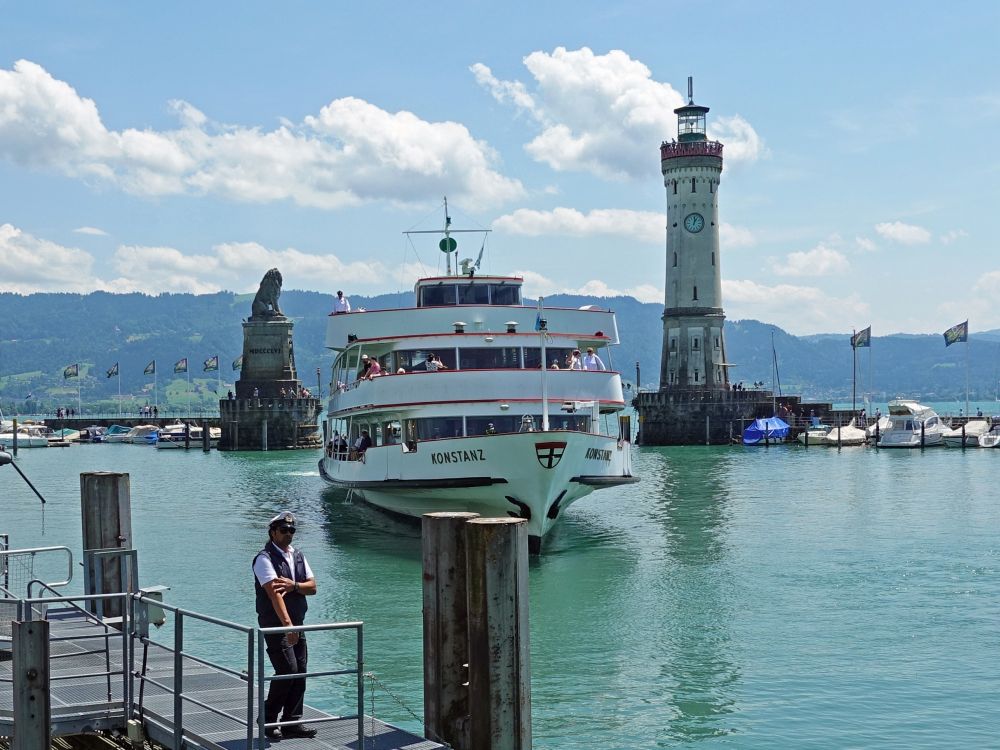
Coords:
pixel 446 628
pixel 499 661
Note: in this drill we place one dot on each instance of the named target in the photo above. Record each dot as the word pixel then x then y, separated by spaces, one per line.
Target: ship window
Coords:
pixel 489 358
pixel 415 360
pixel 505 294
pixel 474 294
pixel 438 428
pixel 409 435
pixel 675 260
pixel 694 297
pixel 533 361
pixel 435 296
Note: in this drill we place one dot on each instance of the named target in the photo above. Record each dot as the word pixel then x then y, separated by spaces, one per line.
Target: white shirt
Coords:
pixel 265 572
pixel 593 362
pixel 574 363
pixel 341 305
pixel 432 365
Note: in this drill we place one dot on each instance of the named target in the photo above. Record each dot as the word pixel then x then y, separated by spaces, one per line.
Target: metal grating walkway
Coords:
pixel 82 701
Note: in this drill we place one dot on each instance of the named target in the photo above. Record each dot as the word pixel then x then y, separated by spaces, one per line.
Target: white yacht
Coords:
pixel 28 436
pixel 469 412
pixel 911 425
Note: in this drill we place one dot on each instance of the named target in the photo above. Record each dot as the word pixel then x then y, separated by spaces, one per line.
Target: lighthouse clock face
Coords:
pixel 694 223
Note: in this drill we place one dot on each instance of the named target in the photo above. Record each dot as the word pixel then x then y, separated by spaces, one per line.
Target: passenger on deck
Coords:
pixel 434 364
pixel 363 443
pixel 490 429
pixel 554 365
pixel 592 362
pixel 527 424
pixel 374 370
pixel 341 304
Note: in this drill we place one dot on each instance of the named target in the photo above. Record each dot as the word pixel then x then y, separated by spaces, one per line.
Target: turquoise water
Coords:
pixel 736 598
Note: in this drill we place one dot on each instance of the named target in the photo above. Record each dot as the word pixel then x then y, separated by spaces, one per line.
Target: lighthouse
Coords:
pixel 693 343
pixel 694 404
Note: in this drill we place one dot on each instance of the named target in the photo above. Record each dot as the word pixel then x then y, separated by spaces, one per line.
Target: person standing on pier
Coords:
pixel 282 581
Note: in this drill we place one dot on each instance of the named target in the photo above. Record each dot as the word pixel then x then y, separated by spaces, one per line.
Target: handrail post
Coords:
pixel 261 720
pixel 361 689
pixel 250 683
pixel 178 739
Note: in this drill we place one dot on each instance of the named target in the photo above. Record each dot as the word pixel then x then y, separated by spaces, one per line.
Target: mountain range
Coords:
pixel 43 334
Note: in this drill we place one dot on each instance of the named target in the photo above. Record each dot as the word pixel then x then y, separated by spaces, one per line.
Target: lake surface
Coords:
pixel 737 597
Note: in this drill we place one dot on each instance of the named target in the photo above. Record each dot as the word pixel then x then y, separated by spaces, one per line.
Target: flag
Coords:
pixel 238 363
pixel 73 371
pixel 150 368
pixel 862 338
pixel 957 334
pixel 113 371
pixel 28 397
pixel 181 365
pixel 538 322
pixel 212 364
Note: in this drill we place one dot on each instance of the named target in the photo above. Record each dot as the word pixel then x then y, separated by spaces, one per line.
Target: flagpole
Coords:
pixel 118 367
pixel 156 401
pixel 854 372
pixel 188 370
pixel 967 342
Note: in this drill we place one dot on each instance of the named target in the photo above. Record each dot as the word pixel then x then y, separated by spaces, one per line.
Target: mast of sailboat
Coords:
pixel 541 326
pixel 776 377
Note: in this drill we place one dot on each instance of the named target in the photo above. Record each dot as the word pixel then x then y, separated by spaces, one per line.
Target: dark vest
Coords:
pixel 295 602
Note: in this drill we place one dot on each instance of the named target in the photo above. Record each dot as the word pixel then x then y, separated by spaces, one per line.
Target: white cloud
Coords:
pixel 29 264
pixel 732 237
pixel 950 236
pixel 865 244
pixel 535 285
pixel 92 231
pixel 904 234
pixel 820 261
pixel 350 152
pixel 797 309
pixel 604 114
pixel 644 226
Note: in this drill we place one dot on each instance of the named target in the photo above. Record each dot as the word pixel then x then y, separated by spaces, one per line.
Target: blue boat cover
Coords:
pixel 773 428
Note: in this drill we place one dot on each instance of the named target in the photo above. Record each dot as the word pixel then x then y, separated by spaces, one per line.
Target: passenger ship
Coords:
pixel 494 431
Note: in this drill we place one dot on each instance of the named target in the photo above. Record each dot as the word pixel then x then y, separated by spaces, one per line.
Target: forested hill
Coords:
pixel 41 334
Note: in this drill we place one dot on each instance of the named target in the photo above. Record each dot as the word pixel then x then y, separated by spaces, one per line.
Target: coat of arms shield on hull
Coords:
pixel 549 454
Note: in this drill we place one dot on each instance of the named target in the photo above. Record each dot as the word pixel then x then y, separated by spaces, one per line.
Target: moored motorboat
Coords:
pixel 139 435
pixel 766 431
pixel 845 435
pixel 912 425
pixel 970 433
pixel 28 436
pixel 814 434
pixel 990 438
pixel 116 433
pixel 465 407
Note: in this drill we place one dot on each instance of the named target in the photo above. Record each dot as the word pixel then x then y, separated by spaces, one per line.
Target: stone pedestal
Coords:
pixel 259 417
pixel 253 424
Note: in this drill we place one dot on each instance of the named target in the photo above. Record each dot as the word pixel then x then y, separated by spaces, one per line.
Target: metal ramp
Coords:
pixel 100 677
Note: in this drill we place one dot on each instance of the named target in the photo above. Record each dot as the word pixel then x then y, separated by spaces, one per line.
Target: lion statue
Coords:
pixel 265 304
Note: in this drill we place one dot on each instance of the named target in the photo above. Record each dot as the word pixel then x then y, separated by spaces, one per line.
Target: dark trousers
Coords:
pixel 285 696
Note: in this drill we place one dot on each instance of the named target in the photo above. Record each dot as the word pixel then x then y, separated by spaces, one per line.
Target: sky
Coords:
pixel 189 147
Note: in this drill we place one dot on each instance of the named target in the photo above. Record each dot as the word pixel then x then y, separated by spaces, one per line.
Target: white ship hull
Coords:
pixel 531 475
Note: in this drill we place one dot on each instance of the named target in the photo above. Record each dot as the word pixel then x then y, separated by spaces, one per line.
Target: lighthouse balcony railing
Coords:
pixel 672 150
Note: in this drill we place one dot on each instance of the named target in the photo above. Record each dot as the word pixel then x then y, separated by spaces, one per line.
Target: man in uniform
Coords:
pixel 282 581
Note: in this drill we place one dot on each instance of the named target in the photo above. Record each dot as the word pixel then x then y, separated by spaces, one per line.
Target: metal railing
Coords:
pixel 255 665
pixel 18 565
pixel 263 724
pixel 25 612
